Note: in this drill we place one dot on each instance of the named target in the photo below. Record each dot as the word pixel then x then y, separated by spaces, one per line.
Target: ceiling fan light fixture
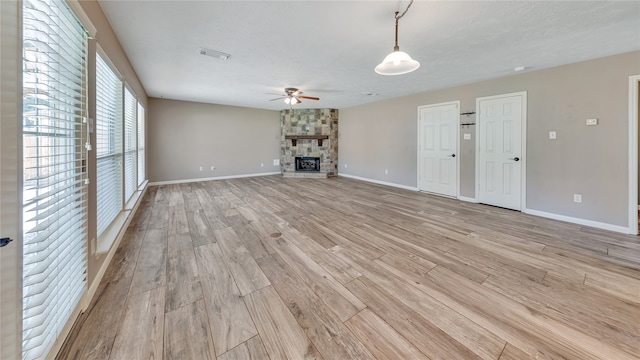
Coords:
pixel 291 100
pixel 398 62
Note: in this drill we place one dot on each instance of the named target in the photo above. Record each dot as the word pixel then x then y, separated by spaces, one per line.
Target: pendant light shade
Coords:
pixel 398 62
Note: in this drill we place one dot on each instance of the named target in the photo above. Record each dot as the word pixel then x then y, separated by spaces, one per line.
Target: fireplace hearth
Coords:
pixel 307 163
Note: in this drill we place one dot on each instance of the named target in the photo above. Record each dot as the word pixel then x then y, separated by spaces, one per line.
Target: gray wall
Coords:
pixel 182 136
pixel 587 160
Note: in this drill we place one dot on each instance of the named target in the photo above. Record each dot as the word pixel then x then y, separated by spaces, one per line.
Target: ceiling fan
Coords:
pixel 292 96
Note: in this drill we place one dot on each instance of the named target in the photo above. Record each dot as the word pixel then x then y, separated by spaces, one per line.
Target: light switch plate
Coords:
pixel 552 135
pixel 467 136
pixel 592 122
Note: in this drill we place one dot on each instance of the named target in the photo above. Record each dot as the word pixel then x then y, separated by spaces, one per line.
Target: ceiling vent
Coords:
pixel 214 54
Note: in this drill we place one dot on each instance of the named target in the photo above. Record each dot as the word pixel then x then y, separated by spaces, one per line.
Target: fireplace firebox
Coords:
pixel 307 163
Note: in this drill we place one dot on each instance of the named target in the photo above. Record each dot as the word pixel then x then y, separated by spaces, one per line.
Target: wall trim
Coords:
pixel 634 84
pixel 569 219
pixel 170 182
pixel 594 224
pixel 412 188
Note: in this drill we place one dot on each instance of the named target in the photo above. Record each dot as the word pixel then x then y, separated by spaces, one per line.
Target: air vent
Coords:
pixel 214 54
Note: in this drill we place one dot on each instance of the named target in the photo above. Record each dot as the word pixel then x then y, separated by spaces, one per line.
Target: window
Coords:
pixel 108 144
pixel 130 168
pixel 142 176
pixel 54 173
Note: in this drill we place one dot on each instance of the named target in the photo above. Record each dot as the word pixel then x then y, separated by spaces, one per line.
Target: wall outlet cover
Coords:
pixel 467 136
pixel 276 162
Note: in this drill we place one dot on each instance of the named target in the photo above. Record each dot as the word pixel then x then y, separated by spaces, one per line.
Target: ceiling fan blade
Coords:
pixel 274 94
pixel 280 98
pixel 309 97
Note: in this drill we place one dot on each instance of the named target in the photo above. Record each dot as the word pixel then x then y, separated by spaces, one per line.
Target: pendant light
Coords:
pixel 398 62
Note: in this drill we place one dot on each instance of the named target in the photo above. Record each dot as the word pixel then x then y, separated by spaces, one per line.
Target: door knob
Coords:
pixel 515 159
pixel 452 155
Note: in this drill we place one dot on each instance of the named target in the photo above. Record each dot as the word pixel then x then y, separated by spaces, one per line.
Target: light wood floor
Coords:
pixel 273 268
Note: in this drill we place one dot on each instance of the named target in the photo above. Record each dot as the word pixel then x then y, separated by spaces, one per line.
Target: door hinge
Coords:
pixel 5 241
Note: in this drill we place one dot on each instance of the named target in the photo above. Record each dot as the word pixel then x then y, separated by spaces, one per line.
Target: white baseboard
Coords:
pixel 467 199
pixel 379 182
pixel 169 182
pixel 595 224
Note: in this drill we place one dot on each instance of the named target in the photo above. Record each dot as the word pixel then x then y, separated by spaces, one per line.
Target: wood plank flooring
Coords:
pixel 277 268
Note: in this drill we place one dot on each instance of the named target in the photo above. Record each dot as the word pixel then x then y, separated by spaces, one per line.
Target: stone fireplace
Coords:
pixel 309 142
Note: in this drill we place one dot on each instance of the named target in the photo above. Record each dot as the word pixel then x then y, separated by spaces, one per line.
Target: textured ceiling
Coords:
pixel 330 48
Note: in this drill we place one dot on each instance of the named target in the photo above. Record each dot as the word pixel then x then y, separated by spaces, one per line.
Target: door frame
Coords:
pixel 457 159
pixel 634 89
pixel 523 144
pixel 11 179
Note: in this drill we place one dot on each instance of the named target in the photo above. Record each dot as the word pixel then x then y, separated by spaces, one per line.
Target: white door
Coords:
pixel 10 166
pixel 437 148
pixel 501 150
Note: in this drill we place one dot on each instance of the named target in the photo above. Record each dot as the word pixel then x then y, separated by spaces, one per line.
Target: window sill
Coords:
pixel 119 224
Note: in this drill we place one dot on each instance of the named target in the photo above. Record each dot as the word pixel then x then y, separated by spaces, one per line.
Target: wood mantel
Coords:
pixel 294 138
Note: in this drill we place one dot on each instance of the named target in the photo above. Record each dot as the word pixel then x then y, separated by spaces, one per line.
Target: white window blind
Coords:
pixel 54 189
pixel 108 143
pixel 142 176
pixel 130 139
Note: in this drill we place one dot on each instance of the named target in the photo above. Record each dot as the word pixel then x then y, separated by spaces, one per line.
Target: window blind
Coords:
pixel 54 189
pixel 108 144
pixel 142 176
pixel 130 139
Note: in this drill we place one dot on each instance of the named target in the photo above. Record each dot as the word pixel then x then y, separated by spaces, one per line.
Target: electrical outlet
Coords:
pixel 592 122
pixel 276 162
pixel 552 135
pixel 577 198
pixel 467 136
pixel 201 168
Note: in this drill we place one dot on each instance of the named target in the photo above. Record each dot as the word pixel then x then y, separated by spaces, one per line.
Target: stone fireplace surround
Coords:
pixel 309 133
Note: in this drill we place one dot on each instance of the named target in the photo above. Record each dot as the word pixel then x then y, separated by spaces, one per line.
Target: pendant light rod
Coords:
pixel 396 48
pixel 398 17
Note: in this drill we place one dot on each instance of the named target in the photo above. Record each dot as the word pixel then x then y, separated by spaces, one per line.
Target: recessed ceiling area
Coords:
pixel 330 48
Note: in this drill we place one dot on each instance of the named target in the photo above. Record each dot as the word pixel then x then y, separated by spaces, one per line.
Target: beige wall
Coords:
pixel 182 136
pixel 108 42
pixel 587 160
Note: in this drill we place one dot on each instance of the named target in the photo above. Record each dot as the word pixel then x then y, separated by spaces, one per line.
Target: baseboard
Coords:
pixel 379 182
pixel 169 182
pixel 591 223
pixel 467 199
pixel 91 291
